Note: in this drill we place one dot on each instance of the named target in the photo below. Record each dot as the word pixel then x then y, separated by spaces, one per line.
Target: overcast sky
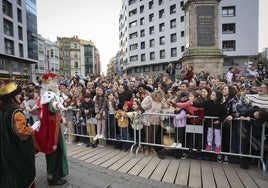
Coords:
pixel 97 20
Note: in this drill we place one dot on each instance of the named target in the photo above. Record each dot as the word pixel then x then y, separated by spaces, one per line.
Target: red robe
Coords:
pixel 48 135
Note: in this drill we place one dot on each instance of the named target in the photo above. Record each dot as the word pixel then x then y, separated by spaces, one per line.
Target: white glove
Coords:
pixel 36 126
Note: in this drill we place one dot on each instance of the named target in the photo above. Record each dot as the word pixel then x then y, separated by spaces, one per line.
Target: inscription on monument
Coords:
pixel 205 25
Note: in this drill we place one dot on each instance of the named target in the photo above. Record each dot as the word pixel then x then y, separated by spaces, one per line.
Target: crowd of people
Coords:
pixel 103 110
pixel 91 111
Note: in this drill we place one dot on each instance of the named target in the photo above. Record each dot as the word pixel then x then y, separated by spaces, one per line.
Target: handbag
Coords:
pixel 91 121
pixel 168 140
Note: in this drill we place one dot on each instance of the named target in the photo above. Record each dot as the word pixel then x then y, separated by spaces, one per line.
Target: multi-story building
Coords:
pixel 48 59
pixel 152 33
pixel 111 69
pixel 18 20
pixel 265 54
pixel 78 56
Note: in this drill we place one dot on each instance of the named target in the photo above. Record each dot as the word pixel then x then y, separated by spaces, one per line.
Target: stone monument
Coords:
pixel 201 37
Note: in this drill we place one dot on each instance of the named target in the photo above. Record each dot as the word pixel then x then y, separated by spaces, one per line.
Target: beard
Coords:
pixel 50 86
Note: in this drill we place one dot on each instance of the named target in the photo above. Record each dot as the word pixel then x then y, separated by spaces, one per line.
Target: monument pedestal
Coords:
pixel 207 60
pixel 201 37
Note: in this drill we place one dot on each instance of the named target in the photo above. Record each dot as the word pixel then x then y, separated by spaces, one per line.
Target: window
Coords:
pixel 142 21
pixel 8 27
pixel 133 35
pixel 51 53
pixel 146 69
pixel 173 52
pixel 161 27
pixel 137 69
pixel 228 11
pixel 2 64
pixel 182 33
pixel 173 38
pixel 9 47
pixel 172 23
pixel 19 15
pixel 15 65
pixel 133 58
pixel 21 50
pixel 75 45
pixel 152 44
pixel 182 18
pixel 142 9
pixel 130 2
pixel 143 57
pixel 151 17
pixel 228 28
pixel 142 45
pixel 172 9
pixel 133 24
pixel 228 45
pixel 151 4
pixel 151 30
pixel 152 56
pixel 133 46
pixel 156 68
pixel 19 2
pixel 133 12
pixel 161 40
pixel 20 33
pixel 162 54
pixel 76 64
pixel 182 48
pixel 7 8
pixel 142 33
pixel 161 13
pixel 160 2
pixel 181 3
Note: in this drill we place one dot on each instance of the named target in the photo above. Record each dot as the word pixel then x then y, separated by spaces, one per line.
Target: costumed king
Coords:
pixel 50 137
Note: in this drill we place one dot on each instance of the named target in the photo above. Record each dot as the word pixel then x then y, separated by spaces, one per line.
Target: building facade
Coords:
pixel 48 59
pixel 152 34
pixel 15 55
pixel 78 56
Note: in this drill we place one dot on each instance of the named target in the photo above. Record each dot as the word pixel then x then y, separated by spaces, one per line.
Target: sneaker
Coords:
pixel 161 155
pixel 96 137
pixel 94 145
pixel 101 136
pixel 225 160
pixel 146 152
pixel 208 148
pixel 153 151
pixel 184 155
pixel 173 145
pixel 179 145
pixel 219 158
pixel 217 149
pixel 80 144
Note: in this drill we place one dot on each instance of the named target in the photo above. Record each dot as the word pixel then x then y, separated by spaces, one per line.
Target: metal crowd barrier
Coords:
pixel 241 139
